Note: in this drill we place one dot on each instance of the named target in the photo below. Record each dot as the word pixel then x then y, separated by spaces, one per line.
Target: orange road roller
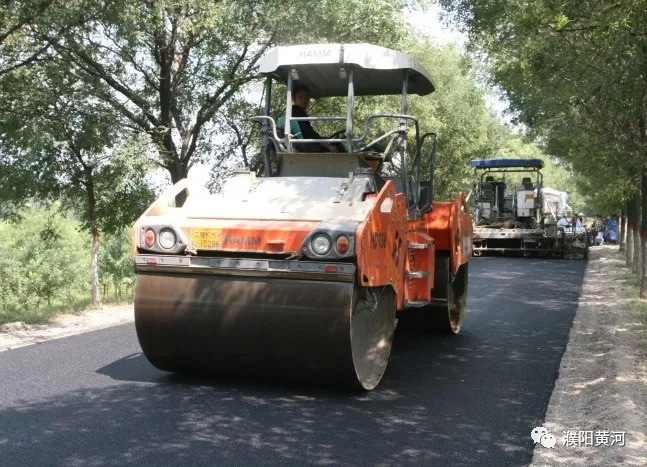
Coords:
pixel 304 268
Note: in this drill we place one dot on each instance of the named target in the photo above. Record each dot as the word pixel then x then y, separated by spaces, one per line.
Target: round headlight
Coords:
pixel 321 244
pixel 167 239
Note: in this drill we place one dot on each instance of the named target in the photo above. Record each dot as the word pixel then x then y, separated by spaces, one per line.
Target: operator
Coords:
pixel 302 129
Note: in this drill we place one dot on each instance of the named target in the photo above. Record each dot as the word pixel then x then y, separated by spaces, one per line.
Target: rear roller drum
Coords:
pixel 447 311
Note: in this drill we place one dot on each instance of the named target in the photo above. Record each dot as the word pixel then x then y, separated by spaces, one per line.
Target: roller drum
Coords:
pixel 326 331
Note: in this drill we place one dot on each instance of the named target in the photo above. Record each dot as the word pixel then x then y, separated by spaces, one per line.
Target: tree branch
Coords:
pixel 39 10
pixel 94 68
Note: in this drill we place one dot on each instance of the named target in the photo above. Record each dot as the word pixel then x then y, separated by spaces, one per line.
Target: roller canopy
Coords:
pixel 378 70
pixel 507 163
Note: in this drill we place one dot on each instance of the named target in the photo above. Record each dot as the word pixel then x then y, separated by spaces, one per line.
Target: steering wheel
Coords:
pixel 337 134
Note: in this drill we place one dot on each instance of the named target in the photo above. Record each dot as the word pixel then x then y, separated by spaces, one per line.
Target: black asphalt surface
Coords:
pixel 93 399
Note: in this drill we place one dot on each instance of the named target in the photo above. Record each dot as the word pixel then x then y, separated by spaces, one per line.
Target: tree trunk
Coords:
pixel 637 254
pixel 94 250
pixel 642 124
pixel 94 268
pixel 642 278
pixel 629 252
pixel 636 259
pixel 629 233
pixel 622 230
pixel 180 171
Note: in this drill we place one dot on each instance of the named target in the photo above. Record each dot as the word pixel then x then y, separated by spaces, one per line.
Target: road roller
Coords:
pixel 303 267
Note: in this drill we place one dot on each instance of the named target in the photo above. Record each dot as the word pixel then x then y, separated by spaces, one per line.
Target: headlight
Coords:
pixel 167 239
pixel 321 244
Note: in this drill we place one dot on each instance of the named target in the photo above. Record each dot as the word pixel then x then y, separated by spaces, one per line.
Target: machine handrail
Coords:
pixel 260 119
pixel 432 160
pixel 362 137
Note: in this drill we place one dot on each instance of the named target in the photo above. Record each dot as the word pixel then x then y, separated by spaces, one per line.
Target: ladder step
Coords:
pixel 416 304
pixel 417 246
pixel 417 274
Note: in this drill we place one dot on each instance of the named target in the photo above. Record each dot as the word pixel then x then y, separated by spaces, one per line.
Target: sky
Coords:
pixel 430 23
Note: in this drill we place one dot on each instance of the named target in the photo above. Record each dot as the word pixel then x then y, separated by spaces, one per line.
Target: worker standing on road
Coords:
pixel 612 230
pixel 597 230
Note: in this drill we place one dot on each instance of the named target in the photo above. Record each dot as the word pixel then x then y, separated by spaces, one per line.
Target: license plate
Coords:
pixel 206 239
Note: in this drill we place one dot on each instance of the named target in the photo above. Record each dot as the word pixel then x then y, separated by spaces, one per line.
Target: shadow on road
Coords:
pixel 466 399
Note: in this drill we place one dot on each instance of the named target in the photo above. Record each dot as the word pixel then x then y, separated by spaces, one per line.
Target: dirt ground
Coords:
pixel 14 335
pixel 601 390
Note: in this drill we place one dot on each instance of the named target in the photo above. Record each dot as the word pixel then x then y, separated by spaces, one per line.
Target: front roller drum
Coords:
pixel 319 331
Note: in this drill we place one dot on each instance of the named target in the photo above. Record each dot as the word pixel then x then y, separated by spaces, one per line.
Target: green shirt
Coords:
pixel 295 129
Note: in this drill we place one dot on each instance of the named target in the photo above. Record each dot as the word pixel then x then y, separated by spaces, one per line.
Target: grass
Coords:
pixel 76 304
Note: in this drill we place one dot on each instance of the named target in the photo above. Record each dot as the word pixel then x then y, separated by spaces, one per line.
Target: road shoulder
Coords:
pixel 15 335
pixel 601 390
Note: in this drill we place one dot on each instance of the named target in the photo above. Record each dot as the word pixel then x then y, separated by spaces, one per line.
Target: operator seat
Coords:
pixel 527 183
pixel 487 190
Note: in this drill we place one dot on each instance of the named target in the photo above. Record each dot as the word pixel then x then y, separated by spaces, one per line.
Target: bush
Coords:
pixel 116 266
pixel 44 264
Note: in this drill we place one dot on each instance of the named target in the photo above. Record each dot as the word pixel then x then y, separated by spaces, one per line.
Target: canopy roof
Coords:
pixel 507 163
pixel 378 70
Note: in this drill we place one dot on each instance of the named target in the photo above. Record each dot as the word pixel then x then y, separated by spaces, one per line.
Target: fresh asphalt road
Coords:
pixel 466 399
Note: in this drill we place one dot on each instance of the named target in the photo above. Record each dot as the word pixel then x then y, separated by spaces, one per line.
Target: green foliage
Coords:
pixel 467 129
pixel 43 263
pixel 45 260
pixel 575 71
pixel 167 67
pixel 116 265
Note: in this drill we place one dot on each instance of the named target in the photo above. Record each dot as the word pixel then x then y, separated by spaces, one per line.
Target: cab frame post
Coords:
pixel 403 137
pixel 288 114
pixel 265 127
pixel 349 110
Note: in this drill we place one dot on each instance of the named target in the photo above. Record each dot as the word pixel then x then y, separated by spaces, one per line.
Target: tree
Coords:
pixel 41 255
pixel 167 67
pixel 576 72
pixel 62 144
pixel 28 28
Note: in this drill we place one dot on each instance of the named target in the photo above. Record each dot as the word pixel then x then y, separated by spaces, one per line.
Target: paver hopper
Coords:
pixel 303 270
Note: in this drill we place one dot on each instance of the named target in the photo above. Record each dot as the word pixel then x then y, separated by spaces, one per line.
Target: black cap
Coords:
pixel 298 87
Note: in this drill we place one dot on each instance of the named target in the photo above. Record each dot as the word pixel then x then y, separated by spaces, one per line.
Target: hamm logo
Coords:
pixel 240 240
pixel 316 53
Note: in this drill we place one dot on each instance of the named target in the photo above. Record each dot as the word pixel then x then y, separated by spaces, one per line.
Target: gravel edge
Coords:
pixel 602 383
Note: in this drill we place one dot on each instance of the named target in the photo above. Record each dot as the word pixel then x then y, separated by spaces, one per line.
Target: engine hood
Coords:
pixel 245 197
